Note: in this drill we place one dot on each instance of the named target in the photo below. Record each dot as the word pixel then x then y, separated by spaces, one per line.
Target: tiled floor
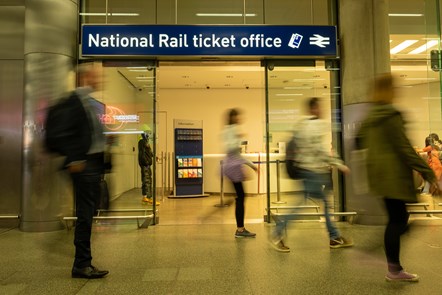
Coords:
pixel 201 256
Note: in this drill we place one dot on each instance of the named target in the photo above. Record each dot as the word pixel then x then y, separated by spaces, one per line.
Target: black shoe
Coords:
pixel 90 272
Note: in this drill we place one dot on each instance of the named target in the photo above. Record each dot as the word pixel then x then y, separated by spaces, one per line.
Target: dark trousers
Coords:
pixel 87 192
pixel 397 225
pixel 239 207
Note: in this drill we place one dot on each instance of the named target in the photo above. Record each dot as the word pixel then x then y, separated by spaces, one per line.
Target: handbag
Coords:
pixel 233 167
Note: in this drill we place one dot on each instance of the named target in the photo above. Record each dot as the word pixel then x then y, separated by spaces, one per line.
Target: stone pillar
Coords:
pixel 50 51
pixel 365 52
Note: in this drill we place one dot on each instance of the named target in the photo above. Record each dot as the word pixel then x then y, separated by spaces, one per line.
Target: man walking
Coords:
pixel 84 149
pixel 314 163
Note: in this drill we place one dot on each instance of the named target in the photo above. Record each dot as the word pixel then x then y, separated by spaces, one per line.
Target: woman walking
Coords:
pixel 233 168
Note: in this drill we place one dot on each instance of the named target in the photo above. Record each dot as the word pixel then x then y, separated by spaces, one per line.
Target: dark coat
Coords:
pixel 78 128
pixel 391 158
pixel 145 154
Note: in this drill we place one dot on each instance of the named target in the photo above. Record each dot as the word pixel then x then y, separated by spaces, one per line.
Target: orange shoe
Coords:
pixel 156 203
pixel 150 201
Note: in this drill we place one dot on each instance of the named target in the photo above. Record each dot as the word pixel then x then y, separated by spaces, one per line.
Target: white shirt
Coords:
pixel 231 138
pixel 314 153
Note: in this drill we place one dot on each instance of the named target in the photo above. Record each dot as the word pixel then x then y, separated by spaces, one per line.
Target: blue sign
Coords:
pixel 213 40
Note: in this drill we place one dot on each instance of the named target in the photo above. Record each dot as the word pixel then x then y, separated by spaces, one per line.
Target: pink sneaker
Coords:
pixel 401 276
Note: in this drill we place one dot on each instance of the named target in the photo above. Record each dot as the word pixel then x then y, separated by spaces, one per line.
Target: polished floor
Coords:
pixel 193 251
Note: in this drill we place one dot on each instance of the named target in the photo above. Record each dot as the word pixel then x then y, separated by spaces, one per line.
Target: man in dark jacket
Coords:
pixel 83 146
pixel 391 160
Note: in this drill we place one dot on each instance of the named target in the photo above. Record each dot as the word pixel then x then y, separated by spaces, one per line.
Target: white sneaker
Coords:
pixel 280 246
pixel 401 276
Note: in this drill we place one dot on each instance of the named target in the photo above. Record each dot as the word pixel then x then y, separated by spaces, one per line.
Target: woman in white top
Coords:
pixel 232 168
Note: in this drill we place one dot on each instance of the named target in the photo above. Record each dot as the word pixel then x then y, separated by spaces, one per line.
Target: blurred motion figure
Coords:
pixel 432 150
pixel 83 144
pixel 391 160
pixel 233 167
pixel 314 165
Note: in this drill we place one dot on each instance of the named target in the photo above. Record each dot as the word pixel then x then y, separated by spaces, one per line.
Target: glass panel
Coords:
pixel 415 25
pixel 300 12
pixel 166 13
pixel 290 85
pixel 254 12
pixel 128 95
pixel 213 12
pixel 118 11
pixel 93 12
pixel 131 11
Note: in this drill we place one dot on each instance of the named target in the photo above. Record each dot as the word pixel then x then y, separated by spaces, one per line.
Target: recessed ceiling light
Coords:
pixel 298 87
pixel 289 94
pixel 226 14
pixel 420 79
pixel 307 80
pixel 406 14
pixel 109 14
pixel 424 47
pixel 402 46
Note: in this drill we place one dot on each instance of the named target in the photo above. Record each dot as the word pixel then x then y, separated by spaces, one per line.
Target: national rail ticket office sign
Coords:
pixel 213 40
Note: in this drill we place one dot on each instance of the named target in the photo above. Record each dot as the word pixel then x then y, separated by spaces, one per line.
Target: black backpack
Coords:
pixel 56 130
pixel 292 166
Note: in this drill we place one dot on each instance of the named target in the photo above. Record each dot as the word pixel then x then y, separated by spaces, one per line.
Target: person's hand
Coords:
pixel 435 189
pixel 344 169
pixel 77 167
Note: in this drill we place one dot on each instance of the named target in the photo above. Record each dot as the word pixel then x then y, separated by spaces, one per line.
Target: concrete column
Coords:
pixel 365 52
pixel 12 19
pixel 50 51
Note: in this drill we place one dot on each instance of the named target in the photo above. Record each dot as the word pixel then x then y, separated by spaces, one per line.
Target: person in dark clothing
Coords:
pixel 84 150
pixel 391 160
pixel 145 158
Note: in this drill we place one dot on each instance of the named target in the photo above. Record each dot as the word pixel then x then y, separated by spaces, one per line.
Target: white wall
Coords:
pixel 210 106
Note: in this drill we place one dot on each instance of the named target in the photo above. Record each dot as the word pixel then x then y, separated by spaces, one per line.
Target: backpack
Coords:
pixel 56 130
pixel 291 165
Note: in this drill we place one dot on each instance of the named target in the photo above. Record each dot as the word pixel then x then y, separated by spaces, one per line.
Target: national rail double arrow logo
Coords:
pixel 319 40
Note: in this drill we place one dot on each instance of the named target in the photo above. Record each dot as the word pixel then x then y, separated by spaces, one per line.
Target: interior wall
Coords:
pixel 210 106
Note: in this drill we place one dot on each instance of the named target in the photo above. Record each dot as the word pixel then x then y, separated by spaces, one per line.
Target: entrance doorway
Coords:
pixel 158 94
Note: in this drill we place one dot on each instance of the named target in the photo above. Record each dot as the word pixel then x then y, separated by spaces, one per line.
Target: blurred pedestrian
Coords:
pixel 314 160
pixel 391 160
pixel 433 161
pixel 233 168
pixel 84 150
pixel 436 141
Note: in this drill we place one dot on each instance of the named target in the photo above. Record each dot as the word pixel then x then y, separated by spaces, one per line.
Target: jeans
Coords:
pixel 316 185
pixel 87 192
